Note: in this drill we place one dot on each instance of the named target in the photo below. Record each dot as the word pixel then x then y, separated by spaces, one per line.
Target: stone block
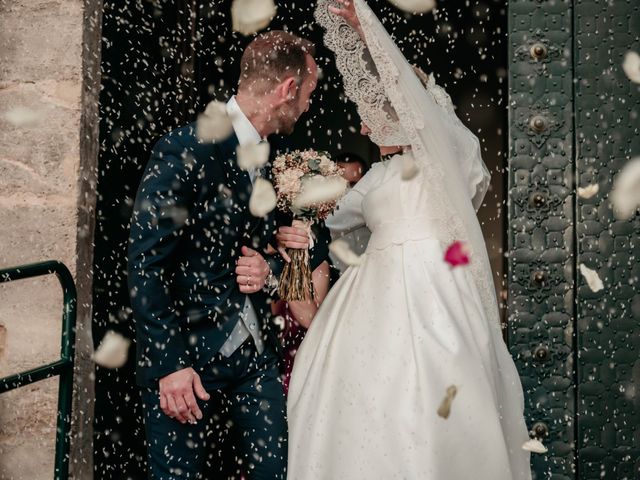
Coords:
pixel 41 156
pixel 34 231
pixel 30 315
pixel 40 40
pixel 27 431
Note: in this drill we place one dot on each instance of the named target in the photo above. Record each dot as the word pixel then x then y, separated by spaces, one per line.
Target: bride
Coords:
pixel 403 329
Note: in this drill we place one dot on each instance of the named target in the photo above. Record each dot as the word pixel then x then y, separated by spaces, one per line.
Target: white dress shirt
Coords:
pixel 244 129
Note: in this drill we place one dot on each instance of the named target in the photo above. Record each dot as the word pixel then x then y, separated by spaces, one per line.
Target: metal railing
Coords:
pixel 62 367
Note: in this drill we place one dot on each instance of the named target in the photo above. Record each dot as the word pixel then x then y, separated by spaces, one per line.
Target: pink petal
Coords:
pixel 457 254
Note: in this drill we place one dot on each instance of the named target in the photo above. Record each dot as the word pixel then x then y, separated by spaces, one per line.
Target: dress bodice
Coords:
pixel 395 210
pixel 388 198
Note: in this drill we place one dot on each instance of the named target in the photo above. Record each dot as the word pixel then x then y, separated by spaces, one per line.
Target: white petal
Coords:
pixel 263 198
pixel 22 117
pixel 112 351
pixel 409 167
pixel 414 6
pixel 280 322
pixel 341 249
pixel 214 124
pixel 625 196
pixel 444 410
pixel 319 189
pixel 631 66
pixel 592 278
pixel 253 156
pixel 249 16
pixel 534 446
pixel 179 215
pixel 588 191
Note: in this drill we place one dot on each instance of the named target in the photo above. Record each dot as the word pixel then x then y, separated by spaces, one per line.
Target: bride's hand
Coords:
pixel 347 10
pixel 295 236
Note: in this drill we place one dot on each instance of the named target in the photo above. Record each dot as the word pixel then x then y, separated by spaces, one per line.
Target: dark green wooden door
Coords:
pixel 574 122
pixel 607 135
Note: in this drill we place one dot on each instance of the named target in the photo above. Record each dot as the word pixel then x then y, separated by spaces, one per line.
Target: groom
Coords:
pixel 198 276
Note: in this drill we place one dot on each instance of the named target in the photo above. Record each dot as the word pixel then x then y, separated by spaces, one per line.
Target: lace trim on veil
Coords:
pixel 360 77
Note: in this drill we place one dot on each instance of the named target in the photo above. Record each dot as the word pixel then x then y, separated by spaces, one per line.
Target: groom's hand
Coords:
pixel 177 398
pixel 252 271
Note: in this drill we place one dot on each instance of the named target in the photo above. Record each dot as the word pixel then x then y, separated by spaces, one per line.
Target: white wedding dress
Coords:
pixel 388 340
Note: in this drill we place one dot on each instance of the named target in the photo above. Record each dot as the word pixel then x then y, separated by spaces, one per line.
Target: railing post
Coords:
pixel 62 367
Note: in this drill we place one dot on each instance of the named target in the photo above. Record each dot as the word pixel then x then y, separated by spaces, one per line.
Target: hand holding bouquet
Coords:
pixel 308 185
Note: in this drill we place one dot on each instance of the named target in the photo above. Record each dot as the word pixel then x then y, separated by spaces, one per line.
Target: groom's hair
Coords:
pixel 270 58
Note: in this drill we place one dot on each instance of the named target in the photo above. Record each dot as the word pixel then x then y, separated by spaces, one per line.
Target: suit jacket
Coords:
pixel 190 220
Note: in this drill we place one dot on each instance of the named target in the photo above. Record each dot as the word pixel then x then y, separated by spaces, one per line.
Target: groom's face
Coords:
pixel 308 85
pixel 300 101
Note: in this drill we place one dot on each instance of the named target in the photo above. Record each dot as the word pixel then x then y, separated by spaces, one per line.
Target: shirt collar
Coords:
pixel 244 129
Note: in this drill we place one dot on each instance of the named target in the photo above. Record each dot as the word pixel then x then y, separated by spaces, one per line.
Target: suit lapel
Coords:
pixel 240 182
pixel 238 179
pixel 268 224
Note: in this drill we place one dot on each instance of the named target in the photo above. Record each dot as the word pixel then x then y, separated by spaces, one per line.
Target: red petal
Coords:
pixel 457 254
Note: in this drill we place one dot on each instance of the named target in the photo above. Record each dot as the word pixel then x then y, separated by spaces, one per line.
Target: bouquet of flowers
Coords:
pixel 308 184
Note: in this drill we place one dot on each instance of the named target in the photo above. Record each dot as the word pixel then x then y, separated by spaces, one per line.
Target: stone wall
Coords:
pixel 47 113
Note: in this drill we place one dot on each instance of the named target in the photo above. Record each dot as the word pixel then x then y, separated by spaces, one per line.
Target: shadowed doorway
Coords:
pixel 162 62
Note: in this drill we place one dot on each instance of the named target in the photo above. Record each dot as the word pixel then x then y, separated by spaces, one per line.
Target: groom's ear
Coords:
pixel 287 90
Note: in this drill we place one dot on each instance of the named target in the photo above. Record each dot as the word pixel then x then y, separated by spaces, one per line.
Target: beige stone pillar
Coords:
pixel 49 83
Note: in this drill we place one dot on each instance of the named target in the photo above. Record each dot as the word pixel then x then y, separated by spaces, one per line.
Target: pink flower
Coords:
pixel 327 167
pixel 457 254
pixel 289 182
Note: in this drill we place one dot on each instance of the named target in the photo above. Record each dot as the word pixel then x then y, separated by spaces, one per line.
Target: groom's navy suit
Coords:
pixel 190 220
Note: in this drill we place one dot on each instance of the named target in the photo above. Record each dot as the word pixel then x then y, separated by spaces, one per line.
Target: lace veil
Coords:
pixel 400 110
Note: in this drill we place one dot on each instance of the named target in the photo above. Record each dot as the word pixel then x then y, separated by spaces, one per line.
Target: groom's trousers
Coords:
pixel 247 406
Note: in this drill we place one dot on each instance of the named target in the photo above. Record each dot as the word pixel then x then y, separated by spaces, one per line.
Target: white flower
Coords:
pixel 534 446
pixel 327 167
pixel 289 182
pixel 592 278
pixel 318 189
pixel 588 191
pixel 308 154
pixel 253 156
pixel 214 123
pixel 414 6
pixel 409 167
pixel 341 249
pixel 249 16
pixel 625 196
pixel 22 117
pixel 631 66
pixel 263 198
pixel 279 163
pixel 444 410
pixel 112 351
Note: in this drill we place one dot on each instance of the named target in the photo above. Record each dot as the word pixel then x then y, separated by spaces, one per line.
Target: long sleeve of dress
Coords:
pixel 348 215
pixel 478 177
